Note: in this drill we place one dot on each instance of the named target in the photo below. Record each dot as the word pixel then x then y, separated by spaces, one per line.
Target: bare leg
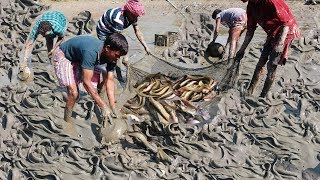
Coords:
pixel 269 80
pixel 234 35
pixel 238 40
pixel 259 68
pixel 257 72
pixel 72 98
pixel 226 52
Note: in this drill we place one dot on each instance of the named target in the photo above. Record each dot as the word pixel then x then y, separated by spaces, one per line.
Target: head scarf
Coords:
pixel 135 7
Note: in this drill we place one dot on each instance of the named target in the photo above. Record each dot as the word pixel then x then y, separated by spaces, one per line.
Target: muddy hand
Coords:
pixel 114 113
pixel 24 72
pixel 125 61
pixel 276 53
pixel 106 116
pixel 148 51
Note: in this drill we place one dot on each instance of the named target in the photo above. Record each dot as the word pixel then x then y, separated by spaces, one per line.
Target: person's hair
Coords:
pixel 215 13
pixel 44 26
pixel 117 42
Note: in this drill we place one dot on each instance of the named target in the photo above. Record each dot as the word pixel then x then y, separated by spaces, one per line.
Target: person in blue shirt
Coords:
pixel 50 25
pixel 75 61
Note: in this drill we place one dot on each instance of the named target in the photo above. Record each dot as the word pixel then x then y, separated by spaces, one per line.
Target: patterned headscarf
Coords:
pixel 135 7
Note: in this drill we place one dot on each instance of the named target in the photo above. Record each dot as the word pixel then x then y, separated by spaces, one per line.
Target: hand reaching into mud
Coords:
pixel 114 113
pixel 125 61
pixel 147 51
pixel 106 116
pixel 276 53
pixel 24 72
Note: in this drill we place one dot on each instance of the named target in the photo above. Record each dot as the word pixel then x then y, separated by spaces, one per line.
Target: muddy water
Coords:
pixel 276 137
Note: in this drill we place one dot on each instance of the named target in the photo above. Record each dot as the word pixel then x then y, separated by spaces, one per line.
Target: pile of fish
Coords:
pixel 170 98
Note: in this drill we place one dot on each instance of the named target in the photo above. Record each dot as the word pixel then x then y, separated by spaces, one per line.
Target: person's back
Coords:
pixel 84 50
pixel 57 20
pixel 113 20
pixel 231 15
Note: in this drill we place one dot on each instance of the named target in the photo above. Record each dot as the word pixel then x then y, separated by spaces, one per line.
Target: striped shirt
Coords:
pixel 56 19
pixel 113 20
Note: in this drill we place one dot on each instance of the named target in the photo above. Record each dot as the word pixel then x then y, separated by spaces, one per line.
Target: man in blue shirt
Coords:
pixel 50 25
pixel 75 61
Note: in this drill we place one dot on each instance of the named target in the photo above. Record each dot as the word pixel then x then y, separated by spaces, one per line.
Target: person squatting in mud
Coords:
pixel 118 19
pixel 276 19
pixel 49 25
pixel 75 61
pixel 236 20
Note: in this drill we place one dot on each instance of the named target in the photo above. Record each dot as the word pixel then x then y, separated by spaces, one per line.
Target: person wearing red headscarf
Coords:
pixel 118 19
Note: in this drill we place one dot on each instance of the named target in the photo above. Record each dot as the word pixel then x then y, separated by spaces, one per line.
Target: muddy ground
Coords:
pixel 277 137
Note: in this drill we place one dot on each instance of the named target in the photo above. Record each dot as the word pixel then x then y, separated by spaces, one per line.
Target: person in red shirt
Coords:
pixel 276 19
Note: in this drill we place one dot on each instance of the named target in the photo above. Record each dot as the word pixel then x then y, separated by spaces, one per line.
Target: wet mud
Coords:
pixel 276 137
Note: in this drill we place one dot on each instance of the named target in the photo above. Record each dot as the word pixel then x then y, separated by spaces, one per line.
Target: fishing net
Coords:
pixel 185 56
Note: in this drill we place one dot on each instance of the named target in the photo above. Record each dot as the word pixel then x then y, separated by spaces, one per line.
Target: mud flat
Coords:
pixel 276 137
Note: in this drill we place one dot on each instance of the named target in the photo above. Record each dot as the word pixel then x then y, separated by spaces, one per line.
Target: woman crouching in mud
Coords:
pixel 76 59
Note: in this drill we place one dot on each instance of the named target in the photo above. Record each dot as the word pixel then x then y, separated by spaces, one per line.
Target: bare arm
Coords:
pixel 27 51
pixel 110 88
pixel 216 30
pixel 140 38
pixel 247 40
pixel 87 76
pixel 59 41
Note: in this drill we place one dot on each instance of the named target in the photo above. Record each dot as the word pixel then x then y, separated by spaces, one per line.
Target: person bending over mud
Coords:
pixel 118 19
pixel 75 61
pixel 50 25
pixel 235 19
pixel 275 17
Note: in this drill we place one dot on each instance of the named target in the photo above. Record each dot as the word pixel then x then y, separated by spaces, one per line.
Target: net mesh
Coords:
pixel 152 64
pixel 186 56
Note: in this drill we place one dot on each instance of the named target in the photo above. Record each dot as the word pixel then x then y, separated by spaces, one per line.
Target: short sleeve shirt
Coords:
pixel 56 19
pixel 271 15
pixel 113 20
pixel 229 16
pixel 85 50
